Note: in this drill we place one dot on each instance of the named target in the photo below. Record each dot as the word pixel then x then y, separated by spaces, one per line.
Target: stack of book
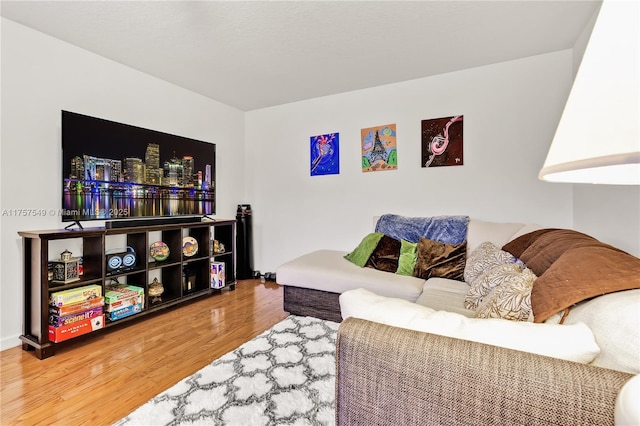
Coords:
pixel 75 312
pixel 123 300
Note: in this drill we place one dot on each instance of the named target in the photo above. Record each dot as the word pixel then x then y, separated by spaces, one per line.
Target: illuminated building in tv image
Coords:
pixel 152 164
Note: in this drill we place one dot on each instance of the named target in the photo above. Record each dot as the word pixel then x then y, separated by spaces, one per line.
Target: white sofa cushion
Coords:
pixel 614 319
pixel 328 270
pixel 627 410
pixel 571 342
pixel 443 294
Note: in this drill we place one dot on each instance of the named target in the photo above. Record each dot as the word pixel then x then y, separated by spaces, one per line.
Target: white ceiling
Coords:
pixel 255 54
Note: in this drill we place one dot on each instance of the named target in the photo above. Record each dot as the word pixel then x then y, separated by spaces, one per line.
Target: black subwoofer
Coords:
pixel 244 242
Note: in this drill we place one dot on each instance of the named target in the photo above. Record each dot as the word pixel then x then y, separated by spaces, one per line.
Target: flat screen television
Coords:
pixel 113 171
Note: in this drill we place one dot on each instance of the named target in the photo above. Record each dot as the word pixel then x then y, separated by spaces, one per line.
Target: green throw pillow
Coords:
pixel 361 254
pixel 408 258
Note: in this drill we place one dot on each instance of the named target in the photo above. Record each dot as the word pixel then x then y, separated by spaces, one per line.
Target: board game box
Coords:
pixel 118 292
pixel 59 321
pixel 124 312
pixel 74 308
pixel 66 332
pixel 75 295
pixel 124 303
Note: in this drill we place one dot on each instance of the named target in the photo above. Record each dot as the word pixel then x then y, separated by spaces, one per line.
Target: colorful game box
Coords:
pixel 66 332
pixel 75 295
pixel 59 321
pixel 117 292
pixel 217 274
pixel 124 312
pixel 124 303
pixel 74 308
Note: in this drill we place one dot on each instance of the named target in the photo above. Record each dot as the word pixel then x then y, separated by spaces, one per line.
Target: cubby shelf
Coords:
pixel 184 275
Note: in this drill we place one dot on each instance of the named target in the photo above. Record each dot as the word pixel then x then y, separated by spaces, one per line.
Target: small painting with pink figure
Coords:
pixel 442 142
pixel 325 155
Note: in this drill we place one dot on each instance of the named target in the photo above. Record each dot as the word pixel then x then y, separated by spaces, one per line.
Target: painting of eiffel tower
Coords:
pixel 379 151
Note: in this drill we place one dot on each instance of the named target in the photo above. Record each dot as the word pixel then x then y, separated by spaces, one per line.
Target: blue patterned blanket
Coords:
pixel 445 229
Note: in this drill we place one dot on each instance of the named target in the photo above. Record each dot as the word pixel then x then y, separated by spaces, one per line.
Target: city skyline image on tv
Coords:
pixel 117 171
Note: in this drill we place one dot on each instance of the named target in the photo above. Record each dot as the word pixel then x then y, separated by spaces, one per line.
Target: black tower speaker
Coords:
pixel 244 242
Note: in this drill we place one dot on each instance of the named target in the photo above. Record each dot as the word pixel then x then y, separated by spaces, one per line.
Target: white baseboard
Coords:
pixel 10 342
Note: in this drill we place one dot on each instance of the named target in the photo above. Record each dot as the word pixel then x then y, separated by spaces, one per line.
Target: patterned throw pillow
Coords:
pixel 483 258
pixel 510 300
pixel 492 278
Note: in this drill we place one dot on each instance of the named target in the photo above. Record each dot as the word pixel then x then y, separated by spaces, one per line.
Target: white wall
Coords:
pixel 609 213
pixel 510 113
pixel 42 75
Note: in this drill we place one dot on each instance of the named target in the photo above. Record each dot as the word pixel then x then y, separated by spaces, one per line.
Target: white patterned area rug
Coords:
pixel 285 376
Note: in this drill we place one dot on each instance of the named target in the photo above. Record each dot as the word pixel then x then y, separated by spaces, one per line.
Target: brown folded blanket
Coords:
pixel 572 267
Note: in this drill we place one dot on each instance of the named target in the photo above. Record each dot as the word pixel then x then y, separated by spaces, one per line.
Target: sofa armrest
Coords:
pixel 389 375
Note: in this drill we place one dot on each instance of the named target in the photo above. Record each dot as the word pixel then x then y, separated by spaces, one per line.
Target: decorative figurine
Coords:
pixel 218 247
pixel 155 291
pixel 66 269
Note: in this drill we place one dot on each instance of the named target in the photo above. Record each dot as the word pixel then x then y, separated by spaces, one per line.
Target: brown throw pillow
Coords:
pixel 545 246
pixel 386 255
pixel 580 274
pixel 436 259
pixel 517 246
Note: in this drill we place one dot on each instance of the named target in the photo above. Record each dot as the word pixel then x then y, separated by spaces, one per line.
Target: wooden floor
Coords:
pixel 100 379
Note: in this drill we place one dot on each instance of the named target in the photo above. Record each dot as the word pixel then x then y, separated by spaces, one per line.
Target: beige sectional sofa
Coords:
pixel 314 281
pixel 395 375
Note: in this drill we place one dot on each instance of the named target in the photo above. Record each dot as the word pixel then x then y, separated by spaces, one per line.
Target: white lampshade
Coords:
pixel 597 140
